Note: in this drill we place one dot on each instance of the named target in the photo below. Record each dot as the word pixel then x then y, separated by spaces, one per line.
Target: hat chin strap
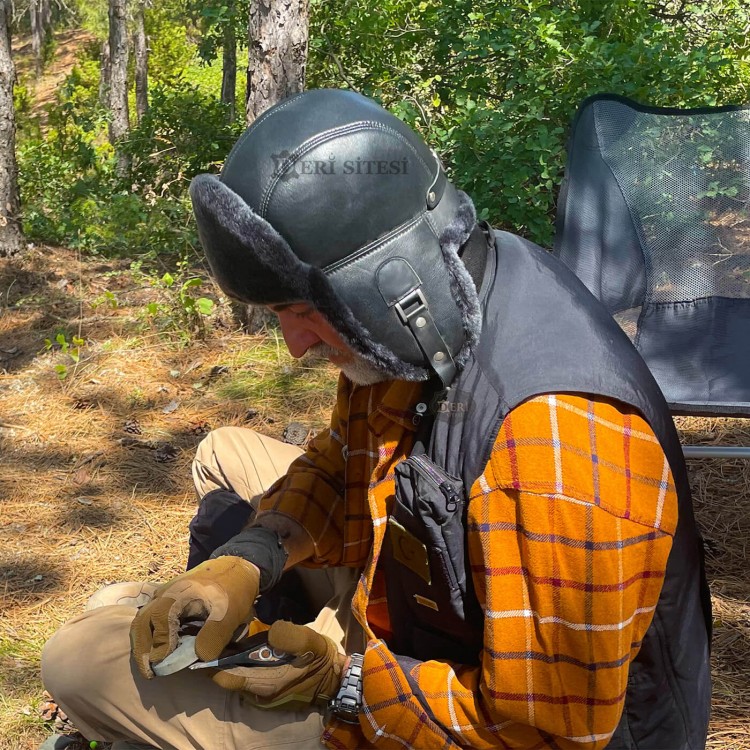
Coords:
pixel 414 313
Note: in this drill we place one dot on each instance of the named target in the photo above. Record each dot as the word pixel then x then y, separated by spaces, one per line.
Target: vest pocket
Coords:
pixel 424 562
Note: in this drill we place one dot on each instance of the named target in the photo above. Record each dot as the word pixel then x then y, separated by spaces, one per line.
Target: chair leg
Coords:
pixel 716 451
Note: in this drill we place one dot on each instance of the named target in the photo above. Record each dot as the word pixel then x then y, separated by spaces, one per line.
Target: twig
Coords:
pixel 334 57
pixel 135 507
pixel 404 32
pixel 9 426
pixel 62 4
pixel 89 459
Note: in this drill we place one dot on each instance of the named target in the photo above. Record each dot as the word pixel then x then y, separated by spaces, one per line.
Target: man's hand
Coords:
pixel 220 591
pixel 315 673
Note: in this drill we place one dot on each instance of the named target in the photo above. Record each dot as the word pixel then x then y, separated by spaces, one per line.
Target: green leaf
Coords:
pixel 205 306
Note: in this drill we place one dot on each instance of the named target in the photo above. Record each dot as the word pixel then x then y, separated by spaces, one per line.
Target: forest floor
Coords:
pixel 95 467
pixel 95 480
pixel 95 459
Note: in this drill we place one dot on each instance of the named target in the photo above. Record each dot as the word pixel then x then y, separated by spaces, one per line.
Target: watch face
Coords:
pixel 350 714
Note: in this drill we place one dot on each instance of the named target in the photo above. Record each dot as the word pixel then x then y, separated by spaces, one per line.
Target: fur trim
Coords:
pixel 452 238
pixel 249 258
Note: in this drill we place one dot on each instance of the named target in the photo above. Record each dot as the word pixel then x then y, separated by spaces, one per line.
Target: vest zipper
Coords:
pixel 452 498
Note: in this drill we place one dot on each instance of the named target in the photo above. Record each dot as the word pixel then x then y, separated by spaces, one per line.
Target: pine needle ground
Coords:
pixel 95 468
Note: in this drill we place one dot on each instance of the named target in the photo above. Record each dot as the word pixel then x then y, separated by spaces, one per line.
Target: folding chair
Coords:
pixel 654 217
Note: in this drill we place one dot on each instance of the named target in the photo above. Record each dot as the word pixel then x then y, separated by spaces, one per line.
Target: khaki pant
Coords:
pixel 86 665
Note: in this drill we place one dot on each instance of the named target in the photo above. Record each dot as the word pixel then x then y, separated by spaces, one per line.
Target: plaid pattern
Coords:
pixel 569 530
pixel 369 425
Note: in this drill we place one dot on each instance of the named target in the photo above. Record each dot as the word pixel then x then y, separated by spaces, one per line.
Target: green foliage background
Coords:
pixel 494 85
pixel 491 85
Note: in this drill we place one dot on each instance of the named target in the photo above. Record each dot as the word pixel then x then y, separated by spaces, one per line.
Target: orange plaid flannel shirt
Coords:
pixel 569 530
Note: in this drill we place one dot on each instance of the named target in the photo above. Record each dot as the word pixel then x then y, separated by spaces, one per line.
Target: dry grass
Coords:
pixel 83 505
pixel 721 491
pixel 84 502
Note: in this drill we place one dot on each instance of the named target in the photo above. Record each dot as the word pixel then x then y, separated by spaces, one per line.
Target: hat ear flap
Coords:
pixel 250 260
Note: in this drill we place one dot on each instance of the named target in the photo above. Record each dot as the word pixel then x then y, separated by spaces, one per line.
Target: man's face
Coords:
pixel 305 331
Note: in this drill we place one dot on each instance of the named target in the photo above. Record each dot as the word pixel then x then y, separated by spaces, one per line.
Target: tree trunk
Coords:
pixel 11 239
pixel 277 57
pixel 229 70
pixel 140 45
pixel 105 70
pixel 277 53
pixel 119 124
pixel 46 16
pixel 40 21
pixel 37 34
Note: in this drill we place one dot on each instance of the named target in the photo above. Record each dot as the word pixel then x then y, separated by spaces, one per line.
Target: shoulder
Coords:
pixel 589 450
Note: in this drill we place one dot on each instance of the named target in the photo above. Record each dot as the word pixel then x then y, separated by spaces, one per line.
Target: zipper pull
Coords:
pixel 451 496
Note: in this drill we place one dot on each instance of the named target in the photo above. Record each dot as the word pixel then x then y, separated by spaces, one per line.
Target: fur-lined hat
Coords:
pixel 329 199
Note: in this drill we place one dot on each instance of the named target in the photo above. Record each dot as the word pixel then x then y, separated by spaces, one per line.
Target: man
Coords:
pixel 500 464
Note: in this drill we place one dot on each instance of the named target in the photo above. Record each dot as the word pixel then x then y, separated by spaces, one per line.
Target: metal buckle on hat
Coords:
pixel 410 305
pixel 414 313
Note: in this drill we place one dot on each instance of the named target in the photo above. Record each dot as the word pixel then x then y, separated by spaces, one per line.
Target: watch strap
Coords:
pixel 348 701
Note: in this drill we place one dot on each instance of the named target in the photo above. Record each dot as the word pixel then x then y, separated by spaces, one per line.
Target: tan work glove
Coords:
pixel 315 673
pixel 220 591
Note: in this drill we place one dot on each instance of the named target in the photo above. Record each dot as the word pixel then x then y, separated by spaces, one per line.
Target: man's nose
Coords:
pixel 298 337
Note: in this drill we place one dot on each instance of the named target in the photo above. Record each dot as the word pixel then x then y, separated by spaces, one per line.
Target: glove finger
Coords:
pixel 229 680
pixel 265 682
pixel 296 639
pixel 165 623
pixel 140 643
pixel 214 637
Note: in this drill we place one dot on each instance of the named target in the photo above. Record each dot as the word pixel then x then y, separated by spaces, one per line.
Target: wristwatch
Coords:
pixel 345 706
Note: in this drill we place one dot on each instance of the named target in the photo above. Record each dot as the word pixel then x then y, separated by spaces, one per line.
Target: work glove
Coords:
pixel 314 674
pixel 220 591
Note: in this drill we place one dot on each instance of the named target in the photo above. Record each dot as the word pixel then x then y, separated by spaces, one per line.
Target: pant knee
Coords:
pixel 87 654
pixel 212 452
pixel 205 453
pixel 221 514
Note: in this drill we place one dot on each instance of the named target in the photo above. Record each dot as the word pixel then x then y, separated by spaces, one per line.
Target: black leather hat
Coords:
pixel 329 199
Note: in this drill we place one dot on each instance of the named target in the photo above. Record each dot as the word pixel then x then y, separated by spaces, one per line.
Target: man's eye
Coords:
pixel 299 311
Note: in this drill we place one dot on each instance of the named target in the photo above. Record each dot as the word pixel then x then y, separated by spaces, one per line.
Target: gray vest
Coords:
pixel 544 333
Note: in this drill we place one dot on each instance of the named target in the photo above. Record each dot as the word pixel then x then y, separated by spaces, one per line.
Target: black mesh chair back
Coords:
pixel 654 217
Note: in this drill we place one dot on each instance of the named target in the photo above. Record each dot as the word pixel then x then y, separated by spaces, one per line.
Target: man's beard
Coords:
pixel 355 367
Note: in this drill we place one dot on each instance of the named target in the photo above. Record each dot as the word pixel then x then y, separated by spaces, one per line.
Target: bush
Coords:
pixel 494 86
pixel 70 190
pixel 63 164
pixel 184 132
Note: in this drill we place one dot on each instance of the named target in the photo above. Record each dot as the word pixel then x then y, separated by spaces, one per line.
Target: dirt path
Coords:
pixel 68 45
